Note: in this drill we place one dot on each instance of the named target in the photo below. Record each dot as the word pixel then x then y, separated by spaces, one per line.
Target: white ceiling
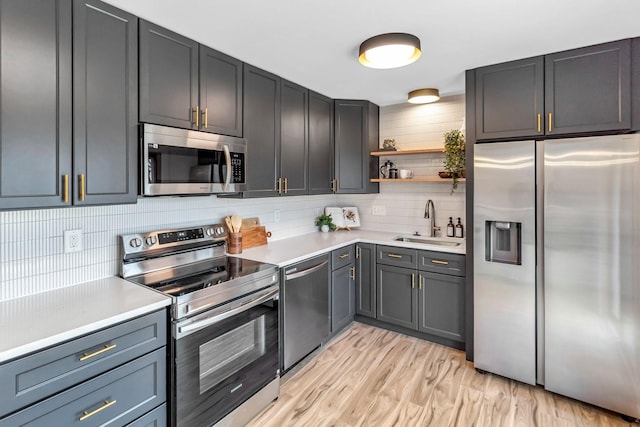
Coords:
pixel 315 43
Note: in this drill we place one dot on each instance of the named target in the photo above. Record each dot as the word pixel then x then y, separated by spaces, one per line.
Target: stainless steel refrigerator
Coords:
pixel 557 266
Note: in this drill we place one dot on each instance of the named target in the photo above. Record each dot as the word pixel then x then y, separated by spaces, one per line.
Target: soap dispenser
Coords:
pixel 450 232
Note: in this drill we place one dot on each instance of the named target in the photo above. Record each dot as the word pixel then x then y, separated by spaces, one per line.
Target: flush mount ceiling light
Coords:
pixel 424 96
pixel 389 50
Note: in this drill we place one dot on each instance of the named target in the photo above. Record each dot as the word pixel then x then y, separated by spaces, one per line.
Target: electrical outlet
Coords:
pixel 378 210
pixel 276 215
pixel 72 240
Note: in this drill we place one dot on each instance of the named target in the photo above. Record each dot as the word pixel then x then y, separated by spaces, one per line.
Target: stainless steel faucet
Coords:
pixel 430 214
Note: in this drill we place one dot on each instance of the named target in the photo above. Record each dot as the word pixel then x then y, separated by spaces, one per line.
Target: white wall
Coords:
pixel 32 259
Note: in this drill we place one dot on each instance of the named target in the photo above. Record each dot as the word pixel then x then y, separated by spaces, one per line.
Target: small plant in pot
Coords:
pixel 325 222
pixel 454 161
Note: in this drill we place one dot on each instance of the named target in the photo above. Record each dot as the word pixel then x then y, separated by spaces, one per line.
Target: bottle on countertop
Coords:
pixel 459 229
pixel 450 232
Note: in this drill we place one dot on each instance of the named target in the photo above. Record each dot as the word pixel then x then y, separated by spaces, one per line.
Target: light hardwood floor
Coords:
pixel 372 377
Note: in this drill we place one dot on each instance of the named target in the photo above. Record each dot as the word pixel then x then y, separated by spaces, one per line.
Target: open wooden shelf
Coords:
pixel 402 152
pixel 417 179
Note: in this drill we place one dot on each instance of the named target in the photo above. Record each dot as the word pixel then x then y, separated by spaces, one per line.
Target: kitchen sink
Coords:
pixel 427 241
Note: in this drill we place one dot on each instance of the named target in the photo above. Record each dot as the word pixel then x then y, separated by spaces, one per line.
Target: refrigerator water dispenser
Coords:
pixel 503 242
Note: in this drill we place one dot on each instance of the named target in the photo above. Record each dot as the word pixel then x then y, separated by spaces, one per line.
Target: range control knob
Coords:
pixel 210 232
pixel 219 230
pixel 135 243
pixel 151 240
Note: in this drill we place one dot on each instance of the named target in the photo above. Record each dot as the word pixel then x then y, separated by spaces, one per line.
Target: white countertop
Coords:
pixel 38 321
pixel 288 251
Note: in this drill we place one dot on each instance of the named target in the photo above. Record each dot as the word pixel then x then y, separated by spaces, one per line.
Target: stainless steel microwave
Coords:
pixel 183 162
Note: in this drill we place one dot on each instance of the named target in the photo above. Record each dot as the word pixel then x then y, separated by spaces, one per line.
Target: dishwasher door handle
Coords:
pixel 305 272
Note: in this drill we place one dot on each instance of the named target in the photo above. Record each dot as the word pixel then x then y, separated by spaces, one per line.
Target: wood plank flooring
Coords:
pixel 372 377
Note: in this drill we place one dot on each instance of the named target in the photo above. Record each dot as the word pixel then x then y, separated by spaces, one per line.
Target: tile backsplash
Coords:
pixel 32 258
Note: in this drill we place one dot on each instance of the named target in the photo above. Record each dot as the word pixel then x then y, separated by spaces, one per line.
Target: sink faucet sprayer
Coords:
pixel 430 215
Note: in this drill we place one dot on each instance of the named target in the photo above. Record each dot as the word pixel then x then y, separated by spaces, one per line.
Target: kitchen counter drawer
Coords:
pixel 341 257
pixel 399 257
pixel 45 373
pixel 442 262
pixel 155 418
pixel 112 399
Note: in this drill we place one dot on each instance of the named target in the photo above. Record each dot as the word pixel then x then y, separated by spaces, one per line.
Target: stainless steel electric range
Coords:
pixel 224 322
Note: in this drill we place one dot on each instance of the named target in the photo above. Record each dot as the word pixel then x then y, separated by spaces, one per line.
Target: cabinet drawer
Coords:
pixel 111 399
pixel 155 418
pixel 399 257
pixel 42 374
pixel 442 262
pixel 341 257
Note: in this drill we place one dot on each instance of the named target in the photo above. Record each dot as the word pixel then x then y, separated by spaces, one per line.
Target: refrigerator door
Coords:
pixel 592 270
pixel 505 259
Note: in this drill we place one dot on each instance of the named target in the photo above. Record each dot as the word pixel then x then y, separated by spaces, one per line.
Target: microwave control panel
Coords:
pixel 237 168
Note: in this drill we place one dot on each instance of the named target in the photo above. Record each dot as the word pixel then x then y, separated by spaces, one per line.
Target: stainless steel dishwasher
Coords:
pixel 305 308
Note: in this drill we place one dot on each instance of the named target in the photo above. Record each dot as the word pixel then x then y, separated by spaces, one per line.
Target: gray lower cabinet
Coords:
pixel 320 144
pixel 155 418
pixel 366 279
pixel 356 136
pixel 109 377
pixel 441 305
pixel 343 306
pixel 397 296
pixel 35 125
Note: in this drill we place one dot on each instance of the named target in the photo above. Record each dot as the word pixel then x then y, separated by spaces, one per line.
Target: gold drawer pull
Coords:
pixel 394 256
pixel 106 347
pixel 343 256
pixel 437 261
pixel 413 281
pixel 550 122
pixel 95 411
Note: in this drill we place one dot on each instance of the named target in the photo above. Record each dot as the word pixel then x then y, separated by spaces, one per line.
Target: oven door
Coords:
pixel 179 161
pixel 224 356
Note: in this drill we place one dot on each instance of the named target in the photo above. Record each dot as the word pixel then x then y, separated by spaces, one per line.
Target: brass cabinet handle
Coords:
pixel 106 348
pixel 353 273
pixel 333 185
pixel 82 187
pixel 65 188
pixel 357 251
pixel 95 411
pixel 343 256
pixel 413 280
pixel 394 256
pixel 280 185
pixel 337 186
pixel 539 122
pixel 196 111
pixel 437 261
pixel 286 185
pixel 420 282
pixel 205 113
pixel 550 121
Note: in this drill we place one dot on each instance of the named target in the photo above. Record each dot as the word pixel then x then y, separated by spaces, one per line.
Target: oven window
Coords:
pixel 229 353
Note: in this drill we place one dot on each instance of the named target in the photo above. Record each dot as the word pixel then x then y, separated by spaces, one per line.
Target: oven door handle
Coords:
pixel 262 297
pixel 227 157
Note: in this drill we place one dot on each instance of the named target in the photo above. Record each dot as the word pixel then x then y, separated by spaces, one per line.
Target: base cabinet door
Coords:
pixel 397 296
pixel 342 297
pixel 366 280
pixel 441 305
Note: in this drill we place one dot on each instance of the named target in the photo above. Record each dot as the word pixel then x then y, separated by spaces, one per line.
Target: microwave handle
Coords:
pixel 227 179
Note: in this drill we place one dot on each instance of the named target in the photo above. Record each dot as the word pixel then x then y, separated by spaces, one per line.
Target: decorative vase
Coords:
pixel 324 228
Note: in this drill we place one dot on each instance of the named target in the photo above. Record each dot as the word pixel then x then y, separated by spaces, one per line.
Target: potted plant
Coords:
pixel 454 161
pixel 325 222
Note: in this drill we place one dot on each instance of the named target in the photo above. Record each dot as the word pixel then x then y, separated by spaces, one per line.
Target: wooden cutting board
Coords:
pixel 254 236
pixel 250 222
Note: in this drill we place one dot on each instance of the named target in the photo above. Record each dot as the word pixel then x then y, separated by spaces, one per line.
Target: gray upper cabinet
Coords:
pixel 294 154
pixel 262 131
pixel 509 99
pixel 577 91
pixel 366 279
pixel 105 104
pixel 220 93
pixel 320 144
pixel 356 135
pixel 36 124
pixel 168 78
pixel 588 89
pixel 635 84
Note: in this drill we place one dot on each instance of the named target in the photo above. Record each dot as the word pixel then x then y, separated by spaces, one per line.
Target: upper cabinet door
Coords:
pixel 262 131
pixel 293 139
pixel 588 89
pixel 105 104
pixel 35 97
pixel 168 78
pixel 320 144
pixel 220 93
pixel 509 99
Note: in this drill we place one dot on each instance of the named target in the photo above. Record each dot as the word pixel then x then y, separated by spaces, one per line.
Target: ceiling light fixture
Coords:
pixel 424 96
pixel 389 50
